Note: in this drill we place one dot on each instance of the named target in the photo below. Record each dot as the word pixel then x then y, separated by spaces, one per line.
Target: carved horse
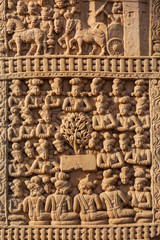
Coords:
pixel 93 36
pixel 35 36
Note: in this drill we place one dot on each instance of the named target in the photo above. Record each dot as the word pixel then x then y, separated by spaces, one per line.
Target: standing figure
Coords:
pixel 88 204
pixel 47 26
pixel 76 103
pixel 33 17
pixel 142 111
pixel 109 158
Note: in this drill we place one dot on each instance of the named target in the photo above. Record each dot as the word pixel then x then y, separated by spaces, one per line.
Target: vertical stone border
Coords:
pixel 155 27
pixel 155 142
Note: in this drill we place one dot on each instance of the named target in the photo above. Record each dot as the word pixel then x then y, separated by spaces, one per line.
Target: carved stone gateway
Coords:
pixel 79 119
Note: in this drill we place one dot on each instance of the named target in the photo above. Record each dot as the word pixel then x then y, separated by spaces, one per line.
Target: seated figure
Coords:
pixel 59 204
pixel 141 201
pixel 88 204
pixel 33 204
pixel 114 200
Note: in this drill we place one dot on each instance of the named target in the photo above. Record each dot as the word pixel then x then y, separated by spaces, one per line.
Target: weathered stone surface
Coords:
pixel 79 119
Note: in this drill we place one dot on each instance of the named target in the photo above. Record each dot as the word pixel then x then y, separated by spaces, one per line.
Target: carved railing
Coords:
pixel 61 65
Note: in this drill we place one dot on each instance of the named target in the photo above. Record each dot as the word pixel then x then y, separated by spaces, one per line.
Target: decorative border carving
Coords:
pixel 132 232
pixel 3 152
pixel 124 67
pixel 155 27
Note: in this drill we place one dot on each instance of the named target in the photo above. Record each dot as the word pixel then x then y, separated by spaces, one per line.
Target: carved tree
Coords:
pixel 76 129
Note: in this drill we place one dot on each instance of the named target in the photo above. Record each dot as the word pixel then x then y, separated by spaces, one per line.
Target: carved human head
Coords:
pixel 124 175
pixel 62 187
pixel 96 86
pixel 16 88
pixel 17 188
pixel 77 86
pixel 124 141
pixel 45 114
pixel 124 105
pixel 35 186
pixel 29 149
pixel 21 8
pixel 42 149
pixel 109 142
pixel 17 152
pixel 86 186
pixel 117 87
pixel 60 3
pixel 34 86
pixel 109 180
pixel 139 137
pixel 56 86
pixel 139 184
pixel 32 8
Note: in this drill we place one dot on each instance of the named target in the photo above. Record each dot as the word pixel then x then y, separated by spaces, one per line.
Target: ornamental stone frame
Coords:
pixel 79 119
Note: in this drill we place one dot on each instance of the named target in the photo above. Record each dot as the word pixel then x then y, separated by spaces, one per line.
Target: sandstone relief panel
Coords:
pixel 79 151
pixel 60 27
pixel 79 120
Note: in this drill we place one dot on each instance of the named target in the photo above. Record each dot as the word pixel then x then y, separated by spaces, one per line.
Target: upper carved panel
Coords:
pixel 65 27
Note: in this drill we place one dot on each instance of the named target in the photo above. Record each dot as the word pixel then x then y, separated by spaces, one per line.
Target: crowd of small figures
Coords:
pixel 105 118
pixel 61 27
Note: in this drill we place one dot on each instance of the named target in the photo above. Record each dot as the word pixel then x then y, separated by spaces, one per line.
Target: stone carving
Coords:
pixel 79 119
pixel 47 27
pixel 55 130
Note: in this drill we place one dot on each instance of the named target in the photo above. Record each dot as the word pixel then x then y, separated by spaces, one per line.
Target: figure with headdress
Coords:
pixel 14 127
pixel 29 151
pixel 103 120
pixel 88 204
pixel 34 98
pixel 19 167
pixel 27 130
pixel 94 143
pixel 108 158
pixel 33 15
pixel 16 214
pixel 76 103
pixel 59 204
pixel 115 200
pixel 43 165
pixel 126 120
pixel 141 200
pixel 142 111
pixel 140 89
pixel 46 128
pixel 59 143
pixel 118 91
pixel 34 204
pixel 140 154
pixel 96 86
pixel 15 99
pixel 46 25
pixel 53 98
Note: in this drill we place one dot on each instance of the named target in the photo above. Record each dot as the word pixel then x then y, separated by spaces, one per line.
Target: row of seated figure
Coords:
pixel 34 117
pixel 112 206
pixel 42 162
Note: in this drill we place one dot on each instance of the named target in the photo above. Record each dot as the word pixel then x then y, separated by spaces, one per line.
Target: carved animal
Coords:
pixel 35 37
pixel 93 35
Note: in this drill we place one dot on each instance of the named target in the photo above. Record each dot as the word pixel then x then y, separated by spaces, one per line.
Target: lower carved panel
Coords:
pixel 132 232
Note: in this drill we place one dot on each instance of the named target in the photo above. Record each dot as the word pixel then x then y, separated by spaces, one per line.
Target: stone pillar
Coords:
pixel 136 17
